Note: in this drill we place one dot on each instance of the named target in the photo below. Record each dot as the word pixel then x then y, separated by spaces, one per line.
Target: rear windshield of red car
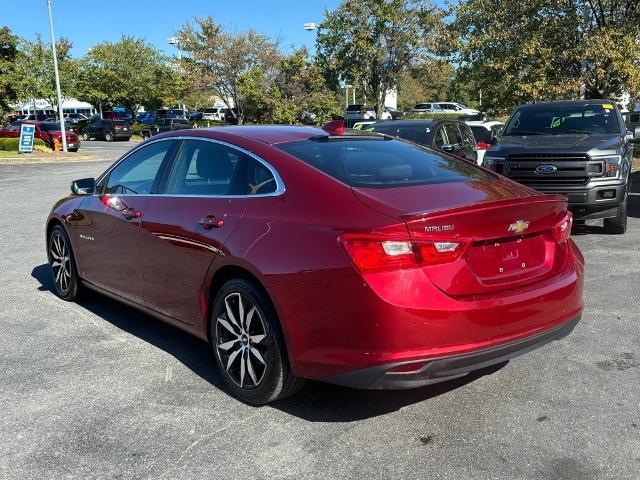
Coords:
pixel 380 162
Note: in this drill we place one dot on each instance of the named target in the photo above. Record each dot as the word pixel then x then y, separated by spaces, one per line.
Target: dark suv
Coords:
pixel 447 135
pixel 165 125
pixel 108 130
pixel 580 149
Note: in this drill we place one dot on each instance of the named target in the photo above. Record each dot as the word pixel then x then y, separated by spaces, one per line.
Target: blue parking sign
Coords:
pixel 27 132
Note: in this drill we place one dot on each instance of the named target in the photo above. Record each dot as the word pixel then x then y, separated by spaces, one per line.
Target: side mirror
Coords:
pixel 447 147
pixel 84 186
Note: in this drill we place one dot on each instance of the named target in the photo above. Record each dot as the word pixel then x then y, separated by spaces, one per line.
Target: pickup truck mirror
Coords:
pixel 83 186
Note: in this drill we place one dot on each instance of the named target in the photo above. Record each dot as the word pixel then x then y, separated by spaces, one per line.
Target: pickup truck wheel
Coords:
pixel 618 224
pixel 86 137
pixel 108 137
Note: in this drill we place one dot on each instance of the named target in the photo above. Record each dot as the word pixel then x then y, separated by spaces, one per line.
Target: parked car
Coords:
pixel 195 116
pixel 74 117
pixel 580 149
pixel 444 107
pixel 486 135
pixel 363 111
pixel 392 114
pixel 448 135
pixel 108 130
pixel 632 122
pixel 231 116
pixel 117 115
pixel 177 113
pixel 145 117
pixel 81 124
pixel 164 125
pixel 424 267
pixel 48 132
pixel 214 114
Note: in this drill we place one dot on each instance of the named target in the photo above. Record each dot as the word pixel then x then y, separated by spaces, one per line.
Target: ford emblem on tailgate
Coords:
pixel 546 169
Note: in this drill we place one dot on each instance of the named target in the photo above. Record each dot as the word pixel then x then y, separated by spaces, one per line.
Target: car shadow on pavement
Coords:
pixel 316 402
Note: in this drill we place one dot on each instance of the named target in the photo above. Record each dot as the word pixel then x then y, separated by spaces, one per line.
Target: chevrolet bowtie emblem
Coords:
pixel 519 226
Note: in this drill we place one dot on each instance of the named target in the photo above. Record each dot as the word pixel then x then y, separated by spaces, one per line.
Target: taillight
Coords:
pixel 562 230
pixel 482 145
pixel 378 254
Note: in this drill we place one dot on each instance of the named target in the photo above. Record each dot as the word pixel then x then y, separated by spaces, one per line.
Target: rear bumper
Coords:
pixel 590 202
pixel 449 367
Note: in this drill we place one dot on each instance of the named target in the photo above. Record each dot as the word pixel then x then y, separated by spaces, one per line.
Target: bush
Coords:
pixel 11 144
pixel 136 128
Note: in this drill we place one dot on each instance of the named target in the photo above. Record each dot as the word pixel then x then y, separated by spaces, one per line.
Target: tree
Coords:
pixel 301 90
pixel 371 42
pixel 546 49
pixel 130 72
pixel 34 75
pixel 429 80
pixel 8 54
pixel 219 62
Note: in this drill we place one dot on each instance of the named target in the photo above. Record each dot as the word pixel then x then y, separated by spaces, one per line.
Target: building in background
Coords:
pixel 40 106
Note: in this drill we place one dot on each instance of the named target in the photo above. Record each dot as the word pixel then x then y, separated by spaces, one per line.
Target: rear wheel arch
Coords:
pixel 229 272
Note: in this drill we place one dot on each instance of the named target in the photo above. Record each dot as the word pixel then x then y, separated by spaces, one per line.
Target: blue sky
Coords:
pixel 87 23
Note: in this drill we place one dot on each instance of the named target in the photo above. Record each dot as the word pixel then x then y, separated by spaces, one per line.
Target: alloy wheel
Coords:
pixel 60 256
pixel 240 341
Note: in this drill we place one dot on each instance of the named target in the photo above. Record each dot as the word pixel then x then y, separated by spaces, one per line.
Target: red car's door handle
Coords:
pixel 211 222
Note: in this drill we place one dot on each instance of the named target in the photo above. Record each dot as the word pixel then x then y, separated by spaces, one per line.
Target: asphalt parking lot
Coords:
pixel 98 390
pixel 106 150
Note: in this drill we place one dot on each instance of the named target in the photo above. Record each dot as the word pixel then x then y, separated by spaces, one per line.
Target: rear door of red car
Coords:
pixel 108 234
pixel 187 226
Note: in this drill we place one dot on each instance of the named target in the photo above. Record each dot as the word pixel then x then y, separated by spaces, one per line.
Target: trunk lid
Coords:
pixel 505 231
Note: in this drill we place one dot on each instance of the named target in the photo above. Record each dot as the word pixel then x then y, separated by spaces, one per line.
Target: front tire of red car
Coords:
pixel 63 265
pixel 249 346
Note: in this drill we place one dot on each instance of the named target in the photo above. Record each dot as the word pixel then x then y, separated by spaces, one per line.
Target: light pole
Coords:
pixel 346 95
pixel 55 69
pixel 176 42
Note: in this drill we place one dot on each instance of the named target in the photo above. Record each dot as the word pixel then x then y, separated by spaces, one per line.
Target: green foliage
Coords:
pixel 130 72
pixel 33 75
pixel 369 43
pixel 12 144
pixel 222 63
pixel 300 88
pixel 8 53
pixel 518 52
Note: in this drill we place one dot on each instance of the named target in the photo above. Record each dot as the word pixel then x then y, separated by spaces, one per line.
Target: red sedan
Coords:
pixel 45 131
pixel 361 260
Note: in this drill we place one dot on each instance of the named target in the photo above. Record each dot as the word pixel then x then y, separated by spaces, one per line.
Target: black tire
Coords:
pixel 108 137
pixel 254 378
pixel 145 136
pixel 617 225
pixel 73 150
pixel 64 275
pixel 85 136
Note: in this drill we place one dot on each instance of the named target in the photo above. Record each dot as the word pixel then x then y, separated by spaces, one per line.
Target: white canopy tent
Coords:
pixel 70 105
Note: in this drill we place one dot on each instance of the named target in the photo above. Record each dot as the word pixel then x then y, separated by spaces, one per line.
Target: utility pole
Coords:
pixel 55 69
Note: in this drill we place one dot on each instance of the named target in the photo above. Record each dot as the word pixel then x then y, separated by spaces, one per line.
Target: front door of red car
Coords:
pixel 187 226
pixel 108 234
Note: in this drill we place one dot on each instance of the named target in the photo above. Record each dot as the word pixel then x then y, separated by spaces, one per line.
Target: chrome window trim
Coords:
pixel 280 188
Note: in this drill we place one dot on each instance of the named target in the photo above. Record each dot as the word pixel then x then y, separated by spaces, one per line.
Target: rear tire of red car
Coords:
pixel 617 225
pixel 249 346
pixel 63 265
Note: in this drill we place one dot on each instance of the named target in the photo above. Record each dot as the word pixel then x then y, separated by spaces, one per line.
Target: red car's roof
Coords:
pixel 270 134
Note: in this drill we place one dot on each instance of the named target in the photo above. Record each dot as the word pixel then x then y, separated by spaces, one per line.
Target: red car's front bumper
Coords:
pixel 350 331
